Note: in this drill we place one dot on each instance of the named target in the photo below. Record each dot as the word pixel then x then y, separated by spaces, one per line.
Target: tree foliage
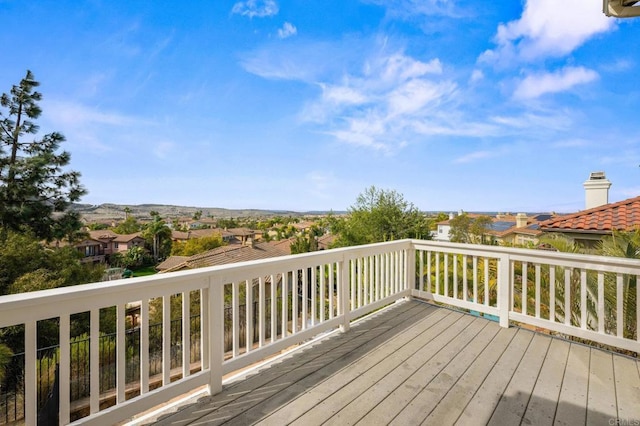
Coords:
pixel 196 245
pixel 35 187
pixel 465 229
pixel 27 265
pixel 158 237
pixel 380 215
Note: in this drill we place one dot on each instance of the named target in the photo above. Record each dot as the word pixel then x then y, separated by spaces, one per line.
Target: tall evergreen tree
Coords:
pixel 35 187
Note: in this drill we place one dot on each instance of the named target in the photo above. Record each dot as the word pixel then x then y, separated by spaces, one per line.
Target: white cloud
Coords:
pixel 287 30
pixel 256 8
pixel 548 28
pixel 474 156
pixel 75 114
pixel 164 150
pixel 536 85
pixel 476 76
pixel 409 9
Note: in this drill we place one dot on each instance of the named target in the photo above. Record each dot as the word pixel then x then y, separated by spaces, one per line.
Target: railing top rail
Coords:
pixel 83 297
pixel 532 255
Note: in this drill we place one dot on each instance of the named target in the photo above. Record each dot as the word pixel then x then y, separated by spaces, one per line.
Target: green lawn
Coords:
pixel 147 270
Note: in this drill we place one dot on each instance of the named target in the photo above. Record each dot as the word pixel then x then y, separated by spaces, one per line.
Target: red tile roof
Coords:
pixel 621 216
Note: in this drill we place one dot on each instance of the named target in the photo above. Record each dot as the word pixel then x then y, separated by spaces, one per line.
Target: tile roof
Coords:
pixel 230 254
pixel 621 216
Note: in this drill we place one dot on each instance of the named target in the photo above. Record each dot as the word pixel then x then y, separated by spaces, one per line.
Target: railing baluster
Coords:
pixel 567 296
pixel 285 305
pixel 121 354
pixel 601 302
pixel 525 282
pixel 538 295
pixel 583 299
pixel 465 285
pixel 446 274
pixel 379 277
pixel 429 272
pixel 274 307
pixel 486 283
pixel 353 284
pixel 438 273
pixel 475 279
pixel 166 340
pixel 186 334
pixel 248 315
pixel 314 295
pixel 323 270
pixel 455 276
pixel 30 377
pixel 65 369
pixel 144 346
pixel 294 301
pixel 552 293
pixel 421 270
pixel 619 305
pixel 359 285
pixel 261 311
pixel 94 361
pixel 332 292
pixel 305 298
pixel 235 318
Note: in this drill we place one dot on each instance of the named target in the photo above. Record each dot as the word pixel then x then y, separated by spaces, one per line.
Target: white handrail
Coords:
pixel 507 284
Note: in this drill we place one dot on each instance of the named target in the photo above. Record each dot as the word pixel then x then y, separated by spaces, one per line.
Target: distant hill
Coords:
pixel 110 211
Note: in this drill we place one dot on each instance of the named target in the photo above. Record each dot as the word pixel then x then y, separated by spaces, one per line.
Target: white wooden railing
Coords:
pixel 333 288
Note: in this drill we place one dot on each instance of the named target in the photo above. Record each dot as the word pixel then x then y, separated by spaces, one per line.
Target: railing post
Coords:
pixel 216 328
pixel 504 288
pixel 343 294
pixel 410 270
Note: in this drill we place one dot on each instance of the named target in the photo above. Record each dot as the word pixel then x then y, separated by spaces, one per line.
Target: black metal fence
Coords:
pixel 12 390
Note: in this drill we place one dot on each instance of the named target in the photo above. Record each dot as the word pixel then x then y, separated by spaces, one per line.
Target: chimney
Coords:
pixel 521 220
pixel 596 190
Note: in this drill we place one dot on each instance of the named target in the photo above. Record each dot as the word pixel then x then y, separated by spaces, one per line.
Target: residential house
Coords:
pixel 587 227
pixel 224 255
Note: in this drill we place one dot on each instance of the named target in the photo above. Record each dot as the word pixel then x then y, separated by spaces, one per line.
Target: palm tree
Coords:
pixel 627 245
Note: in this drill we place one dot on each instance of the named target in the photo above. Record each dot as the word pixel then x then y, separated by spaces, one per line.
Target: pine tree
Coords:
pixel 35 187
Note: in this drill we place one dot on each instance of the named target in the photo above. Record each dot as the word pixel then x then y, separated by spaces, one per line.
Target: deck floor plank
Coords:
pixel 481 406
pixel 601 400
pixel 451 406
pixel 431 394
pixel 415 362
pixel 374 395
pixel 514 400
pixel 375 385
pixel 325 396
pixel 369 333
pixel 400 396
pixel 336 388
pixel 627 377
pixel 542 405
pixel 572 403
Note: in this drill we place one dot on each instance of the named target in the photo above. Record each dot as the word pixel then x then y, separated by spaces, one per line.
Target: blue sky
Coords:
pixel 301 105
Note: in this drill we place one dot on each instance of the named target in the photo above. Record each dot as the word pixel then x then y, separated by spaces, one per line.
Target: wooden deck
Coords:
pixel 416 363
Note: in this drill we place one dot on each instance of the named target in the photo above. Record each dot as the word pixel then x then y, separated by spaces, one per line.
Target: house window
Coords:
pixel 115 245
